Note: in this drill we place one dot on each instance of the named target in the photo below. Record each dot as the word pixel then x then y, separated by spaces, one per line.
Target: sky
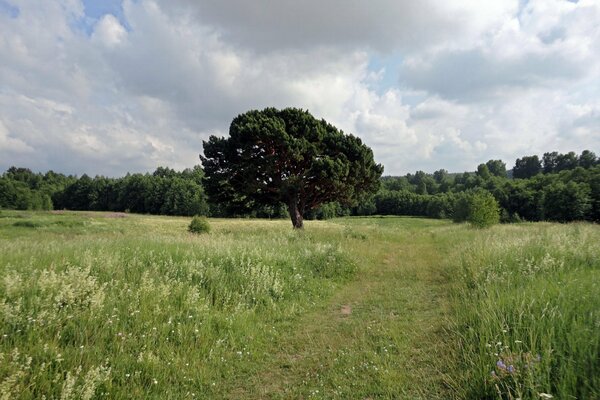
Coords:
pixel 115 86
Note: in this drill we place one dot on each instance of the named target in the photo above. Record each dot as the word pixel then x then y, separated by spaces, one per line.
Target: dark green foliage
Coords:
pixel 395 183
pixel 408 203
pixel 328 211
pixel 164 192
pixel 566 161
pixel 567 202
pixel 483 171
pixel 287 156
pixel 587 159
pixel 461 208
pixel 567 195
pixel 550 161
pixel 565 190
pixel 366 206
pixel 440 175
pixel 199 224
pixel 497 168
pixel 527 167
pixel 18 195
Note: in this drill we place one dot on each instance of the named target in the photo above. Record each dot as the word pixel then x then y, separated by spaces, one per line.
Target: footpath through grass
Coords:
pixel 381 335
pixel 104 305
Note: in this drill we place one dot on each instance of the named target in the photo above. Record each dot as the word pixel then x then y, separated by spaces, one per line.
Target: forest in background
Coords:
pixel 554 187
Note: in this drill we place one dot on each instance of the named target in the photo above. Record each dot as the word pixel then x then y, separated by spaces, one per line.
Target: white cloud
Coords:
pixel 9 144
pixel 381 25
pixel 476 80
pixel 109 31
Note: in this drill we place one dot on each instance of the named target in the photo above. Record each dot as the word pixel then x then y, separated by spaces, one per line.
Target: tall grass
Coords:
pixel 151 311
pixel 528 313
pixel 93 306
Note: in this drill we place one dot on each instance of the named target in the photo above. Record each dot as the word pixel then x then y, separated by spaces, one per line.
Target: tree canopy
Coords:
pixel 287 156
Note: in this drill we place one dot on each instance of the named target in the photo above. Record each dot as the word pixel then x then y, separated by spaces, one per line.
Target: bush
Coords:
pixel 479 208
pixel 199 225
pixel 484 210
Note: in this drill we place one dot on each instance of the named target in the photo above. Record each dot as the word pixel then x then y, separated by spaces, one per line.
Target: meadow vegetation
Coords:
pixel 108 305
pixel 527 312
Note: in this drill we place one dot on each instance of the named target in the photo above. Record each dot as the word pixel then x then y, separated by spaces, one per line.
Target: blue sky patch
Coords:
pixel 96 9
pixel 9 9
pixel 390 66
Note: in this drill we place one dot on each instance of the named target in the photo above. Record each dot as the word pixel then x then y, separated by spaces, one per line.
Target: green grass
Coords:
pixel 101 305
pixel 528 313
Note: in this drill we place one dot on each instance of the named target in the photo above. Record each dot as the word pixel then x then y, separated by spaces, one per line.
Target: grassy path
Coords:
pixel 380 336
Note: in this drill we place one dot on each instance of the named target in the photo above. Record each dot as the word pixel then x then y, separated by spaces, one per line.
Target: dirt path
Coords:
pixel 380 336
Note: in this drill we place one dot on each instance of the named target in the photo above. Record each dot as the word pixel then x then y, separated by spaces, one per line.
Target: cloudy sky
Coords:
pixel 110 86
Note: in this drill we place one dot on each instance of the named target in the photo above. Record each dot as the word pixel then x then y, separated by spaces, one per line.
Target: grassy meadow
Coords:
pixel 108 305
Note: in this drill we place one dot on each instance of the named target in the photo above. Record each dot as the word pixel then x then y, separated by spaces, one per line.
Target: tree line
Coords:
pixel 165 191
pixel 554 187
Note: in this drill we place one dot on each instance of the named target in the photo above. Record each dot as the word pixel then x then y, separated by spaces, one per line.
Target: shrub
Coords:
pixel 479 208
pixel 484 210
pixel 199 225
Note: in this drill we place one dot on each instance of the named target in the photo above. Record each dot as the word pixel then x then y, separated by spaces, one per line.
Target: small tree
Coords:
pixel 287 156
pixel 478 208
pixel 484 210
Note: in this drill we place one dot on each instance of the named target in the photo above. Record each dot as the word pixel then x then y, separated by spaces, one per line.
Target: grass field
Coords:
pixel 101 305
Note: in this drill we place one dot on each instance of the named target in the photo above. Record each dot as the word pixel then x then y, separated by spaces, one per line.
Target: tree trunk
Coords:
pixel 295 214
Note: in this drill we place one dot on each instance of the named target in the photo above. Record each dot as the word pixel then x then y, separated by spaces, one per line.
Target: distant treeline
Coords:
pixel 555 187
pixel 165 191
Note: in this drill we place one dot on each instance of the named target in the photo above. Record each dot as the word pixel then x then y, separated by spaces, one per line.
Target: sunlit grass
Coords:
pixel 143 306
pixel 528 313
pixel 104 305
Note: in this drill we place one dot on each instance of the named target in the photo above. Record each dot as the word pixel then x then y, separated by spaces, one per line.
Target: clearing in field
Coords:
pixel 93 306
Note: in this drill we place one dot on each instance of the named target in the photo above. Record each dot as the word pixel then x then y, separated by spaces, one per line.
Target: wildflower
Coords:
pixel 510 369
pixel 546 396
pixel 500 364
pixel 155 382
